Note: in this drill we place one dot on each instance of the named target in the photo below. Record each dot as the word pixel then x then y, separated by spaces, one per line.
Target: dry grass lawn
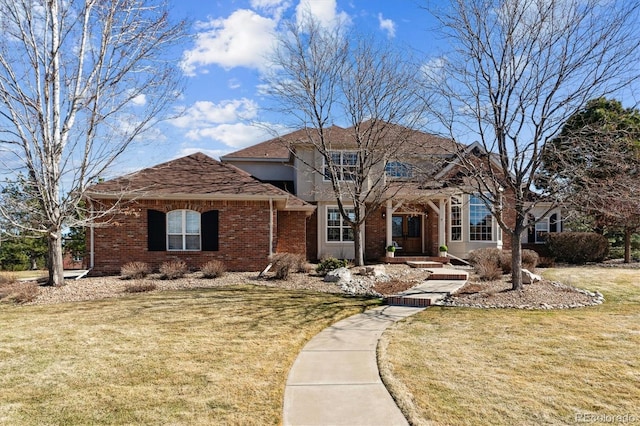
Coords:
pixel 457 366
pixel 198 357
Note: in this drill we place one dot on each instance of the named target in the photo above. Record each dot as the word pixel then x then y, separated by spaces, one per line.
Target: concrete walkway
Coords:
pixel 335 379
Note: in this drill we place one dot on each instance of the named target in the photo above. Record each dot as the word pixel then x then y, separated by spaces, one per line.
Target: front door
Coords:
pixel 407 232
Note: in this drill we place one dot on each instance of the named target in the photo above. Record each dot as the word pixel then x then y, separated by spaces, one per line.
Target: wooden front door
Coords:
pixel 407 232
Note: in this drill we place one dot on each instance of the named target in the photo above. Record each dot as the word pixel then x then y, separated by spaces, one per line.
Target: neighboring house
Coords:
pixel 428 209
pixel 193 209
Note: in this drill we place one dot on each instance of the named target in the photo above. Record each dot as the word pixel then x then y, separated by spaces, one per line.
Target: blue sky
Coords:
pixel 223 62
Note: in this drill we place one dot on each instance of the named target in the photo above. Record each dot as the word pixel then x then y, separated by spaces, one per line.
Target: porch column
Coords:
pixel 389 223
pixel 442 222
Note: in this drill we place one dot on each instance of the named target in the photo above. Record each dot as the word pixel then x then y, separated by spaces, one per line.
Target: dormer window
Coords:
pixel 397 169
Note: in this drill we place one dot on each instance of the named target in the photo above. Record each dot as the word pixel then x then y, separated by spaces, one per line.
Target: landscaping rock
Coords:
pixel 529 277
pixel 338 275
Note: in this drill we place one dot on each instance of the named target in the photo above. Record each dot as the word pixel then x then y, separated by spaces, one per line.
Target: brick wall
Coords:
pixel 243 236
pixel 312 236
pixel 292 232
pixel 375 235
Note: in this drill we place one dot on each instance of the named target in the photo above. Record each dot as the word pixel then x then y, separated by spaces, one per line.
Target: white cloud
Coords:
pixel 324 11
pixel 237 135
pixel 234 83
pixel 139 100
pixel 241 40
pixel 205 113
pixel 387 25
pixel 274 8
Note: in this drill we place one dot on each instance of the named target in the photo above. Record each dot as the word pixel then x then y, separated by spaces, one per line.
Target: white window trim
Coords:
pixel 184 233
pixel 339 167
pixel 459 205
pixel 342 226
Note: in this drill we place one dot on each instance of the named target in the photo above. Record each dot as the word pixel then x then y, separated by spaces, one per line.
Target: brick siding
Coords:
pixel 243 236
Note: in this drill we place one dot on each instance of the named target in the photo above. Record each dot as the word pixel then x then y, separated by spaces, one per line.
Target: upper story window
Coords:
pixel 183 230
pixel 398 169
pixel 480 220
pixel 338 230
pixel 456 219
pixel 344 165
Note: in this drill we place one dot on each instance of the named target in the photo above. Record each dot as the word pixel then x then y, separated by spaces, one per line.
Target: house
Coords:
pixel 274 197
pixel 193 209
pixel 429 207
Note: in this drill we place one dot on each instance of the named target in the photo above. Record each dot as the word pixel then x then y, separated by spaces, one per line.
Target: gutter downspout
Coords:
pixel 91 238
pixel 270 227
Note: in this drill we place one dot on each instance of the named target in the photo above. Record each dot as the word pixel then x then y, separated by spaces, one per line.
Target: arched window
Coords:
pixel 183 230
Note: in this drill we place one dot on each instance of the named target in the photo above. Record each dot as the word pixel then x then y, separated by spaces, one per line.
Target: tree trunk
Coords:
pixel 516 262
pixel 357 245
pixel 56 268
pixel 627 245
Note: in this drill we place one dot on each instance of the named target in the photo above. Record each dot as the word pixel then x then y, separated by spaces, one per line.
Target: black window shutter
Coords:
pixel 209 229
pixel 156 230
pixel 553 223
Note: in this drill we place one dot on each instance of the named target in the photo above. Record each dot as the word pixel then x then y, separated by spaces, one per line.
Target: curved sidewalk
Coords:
pixel 335 379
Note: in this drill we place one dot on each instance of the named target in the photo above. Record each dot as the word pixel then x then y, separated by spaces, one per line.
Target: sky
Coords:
pixel 223 60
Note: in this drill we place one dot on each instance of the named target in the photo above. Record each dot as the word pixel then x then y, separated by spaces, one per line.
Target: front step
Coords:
pixel 426 294
pixel 447 274
pixel 424 264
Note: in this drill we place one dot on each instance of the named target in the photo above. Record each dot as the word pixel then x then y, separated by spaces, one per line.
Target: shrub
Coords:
pixel 18 292
pixel 577 247
pixel 140 287
pixel 173 269
pixel 530 259
pixel 329 264
pixel 213 269
pixel 488 270
pixel 493 255
pixel 134 270
pixel 284 263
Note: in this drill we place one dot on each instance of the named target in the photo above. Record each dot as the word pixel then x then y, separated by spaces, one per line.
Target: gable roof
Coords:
pixel 195 176
pixel 278 149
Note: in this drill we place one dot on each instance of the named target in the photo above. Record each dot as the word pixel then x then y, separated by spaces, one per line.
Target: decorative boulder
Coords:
pixel 374 271
pixel 340 274
pixel 529 277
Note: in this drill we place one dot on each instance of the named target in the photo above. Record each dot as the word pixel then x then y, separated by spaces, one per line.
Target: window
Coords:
pixel 456 219
pixel 157 227
pixel 337 229
pixel 542 228
pixel 344 165
pixel 480 220
pixel 397 169
pixel 183 230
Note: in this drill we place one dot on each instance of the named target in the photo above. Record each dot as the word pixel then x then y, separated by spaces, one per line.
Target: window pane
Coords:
pixel 333 234
pixel 347 234
pixel 396 226
pixel 174 222
pixel 350 158
pixel 192 222
pixel 333 217
pixel 193 242
pixel 175 242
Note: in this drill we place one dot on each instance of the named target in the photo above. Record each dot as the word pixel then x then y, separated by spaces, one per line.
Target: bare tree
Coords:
pixel 517 70
pixel 80 80
pixel 325 77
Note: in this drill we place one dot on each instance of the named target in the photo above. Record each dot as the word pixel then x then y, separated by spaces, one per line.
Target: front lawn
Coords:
pixel 465 366
pixel 207 356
